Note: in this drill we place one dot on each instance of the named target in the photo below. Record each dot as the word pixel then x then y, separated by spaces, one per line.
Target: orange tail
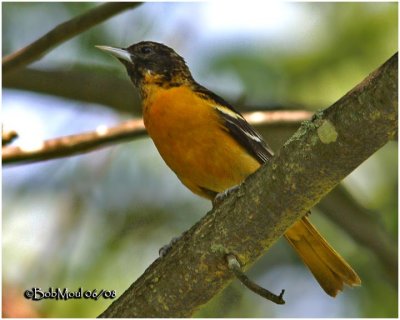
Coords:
pixel 327 266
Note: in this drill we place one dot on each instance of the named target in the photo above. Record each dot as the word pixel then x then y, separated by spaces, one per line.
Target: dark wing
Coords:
pixel 238 127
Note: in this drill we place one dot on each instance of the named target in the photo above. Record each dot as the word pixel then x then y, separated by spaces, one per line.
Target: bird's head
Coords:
pixel 150 62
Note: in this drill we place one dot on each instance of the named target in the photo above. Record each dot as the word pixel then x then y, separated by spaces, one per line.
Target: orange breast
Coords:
pixel 191 139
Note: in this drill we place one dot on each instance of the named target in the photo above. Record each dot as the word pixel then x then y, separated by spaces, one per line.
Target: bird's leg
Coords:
pixel 222 195
pixel 165 249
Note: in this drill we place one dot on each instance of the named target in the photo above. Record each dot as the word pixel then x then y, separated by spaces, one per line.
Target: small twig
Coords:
pixel 234 265
pixel 103 136
pixel 8 136
pixel 63 32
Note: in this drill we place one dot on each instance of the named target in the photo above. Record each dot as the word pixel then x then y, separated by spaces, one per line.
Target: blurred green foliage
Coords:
pixel 97 221
pixel 348 40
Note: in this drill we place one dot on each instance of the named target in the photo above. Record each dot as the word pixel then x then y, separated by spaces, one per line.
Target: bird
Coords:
pixel 212 148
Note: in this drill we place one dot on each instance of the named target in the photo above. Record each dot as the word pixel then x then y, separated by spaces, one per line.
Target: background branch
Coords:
pixel 92 87
pixel 360 224
pixel 63 32
pixel 103 136
pixel 74 144
pixel 249 221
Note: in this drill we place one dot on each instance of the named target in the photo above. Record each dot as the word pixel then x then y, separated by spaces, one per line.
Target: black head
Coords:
pixel 150 62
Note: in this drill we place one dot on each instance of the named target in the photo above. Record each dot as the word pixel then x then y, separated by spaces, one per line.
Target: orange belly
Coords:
pixel 192 141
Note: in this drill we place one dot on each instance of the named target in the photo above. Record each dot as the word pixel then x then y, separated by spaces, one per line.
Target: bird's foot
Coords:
pixel 222 195
pixel 165 249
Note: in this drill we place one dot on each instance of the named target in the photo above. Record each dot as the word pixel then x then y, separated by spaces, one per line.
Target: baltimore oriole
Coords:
pixel 211 147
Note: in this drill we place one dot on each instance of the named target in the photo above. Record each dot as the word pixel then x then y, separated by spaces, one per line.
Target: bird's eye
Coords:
pixel 146 50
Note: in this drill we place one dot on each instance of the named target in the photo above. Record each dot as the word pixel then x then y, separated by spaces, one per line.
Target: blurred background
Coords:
pixel 97 220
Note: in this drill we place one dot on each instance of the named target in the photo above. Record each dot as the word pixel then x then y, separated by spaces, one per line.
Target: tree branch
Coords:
pixel 317 157
pixel 103 136
pixel 74 144
pixel 92 87
pixel 63 32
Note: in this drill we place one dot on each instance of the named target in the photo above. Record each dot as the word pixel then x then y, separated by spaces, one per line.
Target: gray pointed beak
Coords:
pixel 119 53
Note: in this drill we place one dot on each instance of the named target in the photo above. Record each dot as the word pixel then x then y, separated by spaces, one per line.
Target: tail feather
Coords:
pixel 327 266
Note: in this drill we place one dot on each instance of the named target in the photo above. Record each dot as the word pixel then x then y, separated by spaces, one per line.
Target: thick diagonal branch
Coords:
pixel 317 157
pixel 63 32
